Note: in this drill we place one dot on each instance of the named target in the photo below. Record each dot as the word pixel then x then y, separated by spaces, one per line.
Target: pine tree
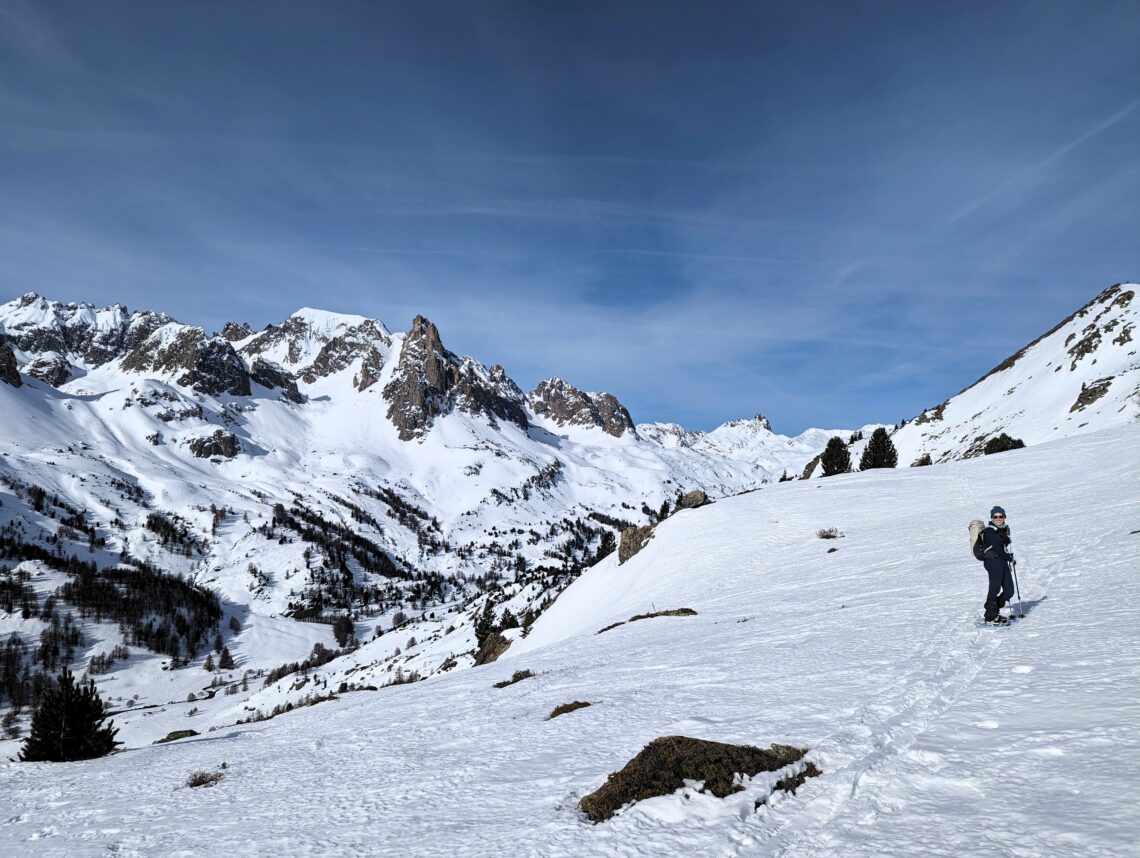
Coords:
pixel 607 546
pixel 509 620
pixel 67 726
pixel 225 660
pixel 836 458
pixel 880 452
pixel 209 665
pixel 663 513
pixel 485 624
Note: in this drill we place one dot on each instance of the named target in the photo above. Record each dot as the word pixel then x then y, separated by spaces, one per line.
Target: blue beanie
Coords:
pixel 996 510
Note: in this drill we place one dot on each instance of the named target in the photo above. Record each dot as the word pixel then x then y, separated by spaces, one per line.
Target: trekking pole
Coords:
pixel 1017 589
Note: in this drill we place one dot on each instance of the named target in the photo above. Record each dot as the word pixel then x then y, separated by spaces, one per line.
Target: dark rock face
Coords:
pixel 209 366
pixel 9 374
pixel 359 341
pixel 567 405
pixel 50 368
pixel 270 375
pixel 293 332
pixel 233 332
pixel 430 381
pixel 221 443
pixel 492 648
pixel 633 539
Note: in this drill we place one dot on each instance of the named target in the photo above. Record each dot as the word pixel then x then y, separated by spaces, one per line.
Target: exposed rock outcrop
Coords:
pixel 566 405
pixel 493 647
pixel 50 368
pixel 273 335
pixel 9 374
pixel 430 381
pixel 270 375
pixel 221 443
pixel 206 364
pixel 364 341
pixel 693 499
pixel 633 539
pixel 234 332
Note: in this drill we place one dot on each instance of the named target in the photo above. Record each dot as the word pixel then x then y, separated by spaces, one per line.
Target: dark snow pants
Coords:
pixel 1001 583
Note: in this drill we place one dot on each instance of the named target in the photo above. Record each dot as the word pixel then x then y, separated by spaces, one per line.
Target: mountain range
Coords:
pixel 326 488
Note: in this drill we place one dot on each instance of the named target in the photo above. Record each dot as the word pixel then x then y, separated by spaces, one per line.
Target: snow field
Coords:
pixel 933 737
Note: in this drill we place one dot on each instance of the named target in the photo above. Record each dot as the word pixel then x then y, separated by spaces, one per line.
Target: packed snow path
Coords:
pixel 934 737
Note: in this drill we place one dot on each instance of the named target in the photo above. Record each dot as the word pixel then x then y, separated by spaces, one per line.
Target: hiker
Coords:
pixel 997 556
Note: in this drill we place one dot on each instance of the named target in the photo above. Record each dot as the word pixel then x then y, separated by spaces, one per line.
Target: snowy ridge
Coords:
pixel 921 724
pixel 1081 376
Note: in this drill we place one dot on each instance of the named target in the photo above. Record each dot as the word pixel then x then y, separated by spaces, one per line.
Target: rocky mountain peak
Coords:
pixel 55 336
pixel 429 381
pixel 566 405
pixel 206 364
pixel 233 332
pixel 757 422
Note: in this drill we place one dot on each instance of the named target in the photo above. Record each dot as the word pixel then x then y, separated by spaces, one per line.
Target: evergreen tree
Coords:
pixel 209 665
pixel 485 624
pixel 509 621
pixel 68 724
pixel 836 458
pixel 880 452
pixel 342 629
pixel 225 660
pixel 663 513
pixel 607 546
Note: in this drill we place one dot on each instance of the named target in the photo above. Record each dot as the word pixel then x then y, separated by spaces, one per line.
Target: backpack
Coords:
pixel 977 545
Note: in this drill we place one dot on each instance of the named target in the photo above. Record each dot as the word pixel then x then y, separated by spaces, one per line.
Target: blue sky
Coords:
pixel 831 213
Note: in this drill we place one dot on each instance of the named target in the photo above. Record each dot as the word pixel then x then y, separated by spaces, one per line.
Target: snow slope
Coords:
pixel 1081 376
pixel 934 737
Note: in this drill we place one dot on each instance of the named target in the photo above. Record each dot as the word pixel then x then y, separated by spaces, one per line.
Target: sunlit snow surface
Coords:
pixel 934 737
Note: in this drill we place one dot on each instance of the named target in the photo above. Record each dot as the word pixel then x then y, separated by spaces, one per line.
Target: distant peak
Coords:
pixel 328 321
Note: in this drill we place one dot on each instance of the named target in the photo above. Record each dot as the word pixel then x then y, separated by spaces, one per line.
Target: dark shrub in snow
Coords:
pixel 563 708
pixel 1002 443
pixel 665 764
pixel 518 676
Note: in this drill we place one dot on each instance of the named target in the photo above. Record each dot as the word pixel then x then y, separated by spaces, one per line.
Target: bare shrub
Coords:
pixel 202 778
pixel 563 708
pixel 518 676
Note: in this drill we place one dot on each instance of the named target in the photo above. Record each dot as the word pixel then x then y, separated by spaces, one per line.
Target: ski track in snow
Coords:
pixel 934 737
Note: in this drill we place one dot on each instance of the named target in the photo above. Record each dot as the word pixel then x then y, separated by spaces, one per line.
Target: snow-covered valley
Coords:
pixel 932 736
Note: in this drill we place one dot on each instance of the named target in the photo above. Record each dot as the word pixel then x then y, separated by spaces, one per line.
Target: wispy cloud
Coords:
pixel 1024 178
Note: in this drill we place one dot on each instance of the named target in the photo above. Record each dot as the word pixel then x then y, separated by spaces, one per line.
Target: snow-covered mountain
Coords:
pixel 1081 376
pixel 930 736
pixel 165 493
pixel 321 467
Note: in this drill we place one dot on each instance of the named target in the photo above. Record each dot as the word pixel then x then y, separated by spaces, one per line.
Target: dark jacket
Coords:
pixel 996 543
